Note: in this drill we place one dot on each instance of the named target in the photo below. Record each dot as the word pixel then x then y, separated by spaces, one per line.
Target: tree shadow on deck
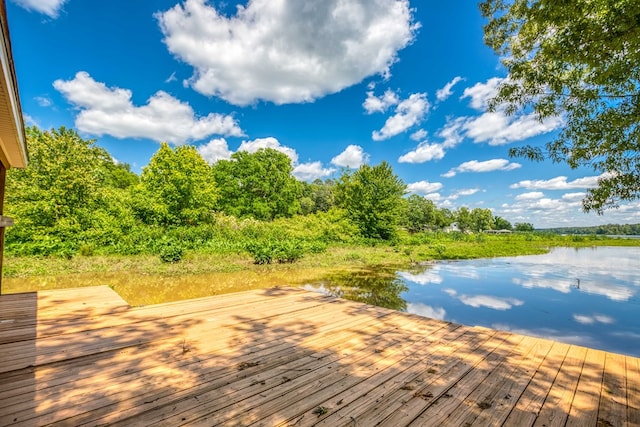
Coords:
pixel 337 362
pixel 67 360
pixel 289 357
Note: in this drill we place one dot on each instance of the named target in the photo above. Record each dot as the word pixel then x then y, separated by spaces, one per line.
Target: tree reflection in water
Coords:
pixel 376 286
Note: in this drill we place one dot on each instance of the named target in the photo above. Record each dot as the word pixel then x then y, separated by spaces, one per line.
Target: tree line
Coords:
pixel 606 229
pixel 74 197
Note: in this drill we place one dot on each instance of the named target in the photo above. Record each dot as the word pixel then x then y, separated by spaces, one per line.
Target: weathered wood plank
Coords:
pixel 555 410
pixel 512 387
pixel 329 365
pixel 584 407
pixel 633 391
pixel 449 391
pixel 467 394
pixel 122 382
pixel 290 357
pixel 613 400
pixel 528 406
pixel 455 359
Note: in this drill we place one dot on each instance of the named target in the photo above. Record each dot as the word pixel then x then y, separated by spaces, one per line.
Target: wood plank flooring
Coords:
pixel 288 357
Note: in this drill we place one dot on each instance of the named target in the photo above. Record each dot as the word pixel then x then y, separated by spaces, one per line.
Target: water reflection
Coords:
pixel 426 310
pixel 371 286
pixel 587 296
pixel 495 303
pixel 590 320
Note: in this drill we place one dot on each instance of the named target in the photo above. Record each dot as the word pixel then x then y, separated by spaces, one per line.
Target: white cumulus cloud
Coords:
pixel 30 120
pixel 488 301
pixel 109 111
pixel 445 92
pixel 462 193
pixel 352 157
pixel 408 113
pixel 482 93
pixel 596 318
pixel 218 149
pixel 425 152
pixel 426 310
pixel 286 51
pixel 380 104
pixel 494 127
pixel 268 142
pixel 311 171
pixel 424 187
pixel 43 101
pixel 533 195
pixel 50 8
pixel 485 166
pixel 214 150
pixel 418 135
pixel 559 183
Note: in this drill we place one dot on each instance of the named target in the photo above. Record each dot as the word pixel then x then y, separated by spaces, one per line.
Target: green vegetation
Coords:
pixel 577 60
pixel 258 185
pixel 372 198
pixel 83 219
pixel 607 229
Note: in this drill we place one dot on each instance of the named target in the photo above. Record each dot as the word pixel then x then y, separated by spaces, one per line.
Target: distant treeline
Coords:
pixel 607 229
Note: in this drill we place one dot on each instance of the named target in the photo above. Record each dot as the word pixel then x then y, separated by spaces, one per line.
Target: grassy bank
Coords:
pixel 145 279
pixel 410 250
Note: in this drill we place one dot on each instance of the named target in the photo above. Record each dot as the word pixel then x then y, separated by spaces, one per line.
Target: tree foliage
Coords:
pixel 177 187
pixel 63 176
pixel 420 214
pixel 73 198
pixel 372 198
pixel 317 196
pixel 501 224
pixel 63 195
pixel 259 185
pixel 579 60
pixel 524 226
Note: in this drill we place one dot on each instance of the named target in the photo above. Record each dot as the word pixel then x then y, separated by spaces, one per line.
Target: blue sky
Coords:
pixel 333 84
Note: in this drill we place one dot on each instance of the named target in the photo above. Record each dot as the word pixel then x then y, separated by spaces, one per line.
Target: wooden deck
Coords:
pixel 289 357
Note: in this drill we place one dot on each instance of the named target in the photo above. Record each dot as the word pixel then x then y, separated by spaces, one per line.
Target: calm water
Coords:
pixel 588 296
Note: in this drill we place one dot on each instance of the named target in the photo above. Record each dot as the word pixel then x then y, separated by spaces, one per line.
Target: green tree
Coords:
pixel 322 194
pixel 523 226
pixel 258 184
pixel 463 218
pixel 372 198
pixel 119 175
pixel 62 177
pixel 578 60
pixel 501 223
pixel 481 219
pixel 177 187
pixel 62 198
pixel 419 214
pixel 444 218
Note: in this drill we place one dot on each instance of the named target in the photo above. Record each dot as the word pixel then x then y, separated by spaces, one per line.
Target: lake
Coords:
pixel 586 296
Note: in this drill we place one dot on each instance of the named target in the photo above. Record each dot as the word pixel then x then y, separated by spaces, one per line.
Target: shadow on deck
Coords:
pixel 289 357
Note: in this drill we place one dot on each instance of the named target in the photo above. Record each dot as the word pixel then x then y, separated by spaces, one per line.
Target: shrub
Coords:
pixel 280 250
pixel 171 252
pixel 260 250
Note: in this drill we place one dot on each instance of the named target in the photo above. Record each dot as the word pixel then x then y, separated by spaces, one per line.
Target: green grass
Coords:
pixel 145 279
pixel 409 249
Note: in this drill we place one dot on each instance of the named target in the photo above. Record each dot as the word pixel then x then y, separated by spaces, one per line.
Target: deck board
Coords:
pixel 289 357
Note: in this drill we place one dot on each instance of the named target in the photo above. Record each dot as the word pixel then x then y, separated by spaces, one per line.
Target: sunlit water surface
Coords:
pixel 580 296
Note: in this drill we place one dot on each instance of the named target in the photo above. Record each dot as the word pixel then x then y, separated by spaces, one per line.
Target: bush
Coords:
pixel 86 250
pixel 171 252
pixel 280 250
pixel 261 251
